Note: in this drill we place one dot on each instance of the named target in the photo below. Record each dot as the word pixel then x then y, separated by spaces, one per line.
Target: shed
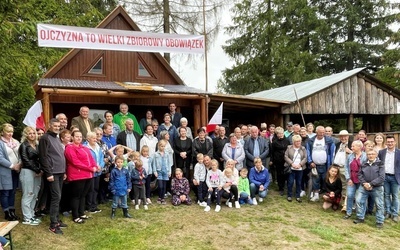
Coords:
pixel 349 94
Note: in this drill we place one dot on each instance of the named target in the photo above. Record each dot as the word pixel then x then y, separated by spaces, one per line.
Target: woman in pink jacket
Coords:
pixel 80 169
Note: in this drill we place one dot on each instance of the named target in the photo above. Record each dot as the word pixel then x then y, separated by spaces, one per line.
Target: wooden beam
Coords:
pixel 197 119
pixel 204 112
pixel 46 108
pixel 386 123
pixel 350 123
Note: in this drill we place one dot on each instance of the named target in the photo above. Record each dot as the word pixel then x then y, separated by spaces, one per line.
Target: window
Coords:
pixel 97 68
pixel 142 70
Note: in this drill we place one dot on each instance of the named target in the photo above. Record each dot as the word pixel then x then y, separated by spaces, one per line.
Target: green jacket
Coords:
pixel 244 185
pixel 120 120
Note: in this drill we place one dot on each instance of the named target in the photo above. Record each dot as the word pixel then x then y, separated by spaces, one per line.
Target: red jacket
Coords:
pixel 80 162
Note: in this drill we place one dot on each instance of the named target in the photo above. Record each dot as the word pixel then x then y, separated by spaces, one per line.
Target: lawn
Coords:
pixel 273 224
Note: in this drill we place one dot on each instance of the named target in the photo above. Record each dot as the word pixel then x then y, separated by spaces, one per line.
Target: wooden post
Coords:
pixel 350 123
pixel 386 123
pixel 197 118
pixel 46 108
pixel 285 121
pixel 204 112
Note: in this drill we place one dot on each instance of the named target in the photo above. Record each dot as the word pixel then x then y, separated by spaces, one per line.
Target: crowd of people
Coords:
pixel 73 170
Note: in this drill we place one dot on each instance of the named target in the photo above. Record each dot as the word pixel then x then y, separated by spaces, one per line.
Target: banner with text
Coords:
pixel 108 39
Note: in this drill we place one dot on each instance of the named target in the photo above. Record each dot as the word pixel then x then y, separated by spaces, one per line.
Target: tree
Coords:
pixel 22 62
pixel 180 17
pixel 280 42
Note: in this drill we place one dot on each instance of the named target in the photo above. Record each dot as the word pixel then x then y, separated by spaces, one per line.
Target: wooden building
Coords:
pixel 102 79
pixel 346 95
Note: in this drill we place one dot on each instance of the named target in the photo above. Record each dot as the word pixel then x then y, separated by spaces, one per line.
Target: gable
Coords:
pixel 120 66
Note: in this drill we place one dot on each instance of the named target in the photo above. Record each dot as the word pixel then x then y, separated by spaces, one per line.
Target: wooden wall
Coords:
pixel 351 96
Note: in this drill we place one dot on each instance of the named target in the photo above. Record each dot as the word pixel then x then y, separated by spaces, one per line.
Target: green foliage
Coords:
pixel 22 62
pixel 279 42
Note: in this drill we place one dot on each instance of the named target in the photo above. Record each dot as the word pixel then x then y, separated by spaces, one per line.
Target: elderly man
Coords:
pixel 371 177
pixel 123 115
pixel 62 118
pixel 175 116
pixel 83 122
pixel 289 129
pixel 256 146
pixel 320 151
pixel 342 152
pixel 390 156
pixel 244 129
pixel 129 137
pixel 218 145
pixel 52 160
pixel 296 131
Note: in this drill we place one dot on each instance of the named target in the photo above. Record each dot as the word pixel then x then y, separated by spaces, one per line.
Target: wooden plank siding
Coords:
pixel 353 95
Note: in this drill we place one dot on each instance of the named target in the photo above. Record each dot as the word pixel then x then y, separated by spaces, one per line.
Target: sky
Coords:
pixel 217 61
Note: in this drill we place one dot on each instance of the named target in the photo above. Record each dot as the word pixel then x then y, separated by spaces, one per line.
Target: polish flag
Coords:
pixel 34 117
pixel 216 119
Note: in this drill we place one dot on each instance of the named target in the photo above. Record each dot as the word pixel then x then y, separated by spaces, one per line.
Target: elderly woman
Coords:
pixel 109 116
pixel 202 145
pixel 295 163
pixel 352 167
pixel 147 120
pixel 183 152
pixel 238 134
pixel 9 168
pixel 278 149
pixel 169 127
pixel 180 189
pixel 184 124
pixel 104 177
pixel 233 150
pixel 30 175
pixel 98 156
pixel 80 171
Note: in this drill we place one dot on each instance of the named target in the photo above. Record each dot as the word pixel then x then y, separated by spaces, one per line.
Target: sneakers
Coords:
pixel 61 224
pixel 146 207
pixel 207 209
pixel 203 204
pixel 55 230
pixel 148 201
pixel 133 202
pixel 315 197
pixel 302 193
pixel 137 207
pixel 95 211
pixel 358 221
pixel 260 199
pixel 255 201
pixel 229 204
pixel 159 201
pixel 30 222
pixel 379 225
pixel 237 205
pixel 163 202
pixel 217 208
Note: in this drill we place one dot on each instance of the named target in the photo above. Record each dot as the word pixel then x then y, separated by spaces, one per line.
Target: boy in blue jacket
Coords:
pixel 120 186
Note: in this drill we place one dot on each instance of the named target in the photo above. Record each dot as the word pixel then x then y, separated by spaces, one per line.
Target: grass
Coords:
pixel 273 224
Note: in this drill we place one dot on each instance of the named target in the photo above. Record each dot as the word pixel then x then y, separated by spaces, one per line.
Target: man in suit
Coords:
pixel 390 156
pixel 175 116
pixel 129 137
pixel 255 146
pixel 83 122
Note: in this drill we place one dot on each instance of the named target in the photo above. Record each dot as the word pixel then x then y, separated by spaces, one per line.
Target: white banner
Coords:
pixel 109 39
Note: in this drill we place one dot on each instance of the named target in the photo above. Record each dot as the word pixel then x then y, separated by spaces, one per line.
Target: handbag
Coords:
pixel 287 167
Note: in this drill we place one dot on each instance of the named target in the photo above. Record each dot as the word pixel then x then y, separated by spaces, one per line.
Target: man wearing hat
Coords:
pixel 342 152
pixel 289 129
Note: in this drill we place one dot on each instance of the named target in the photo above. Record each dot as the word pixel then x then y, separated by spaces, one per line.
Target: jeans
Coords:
pixel 30 184
pixel 162 188
pixel 55 188
pixel 377 194
pixel 391 190
pixel 79 190
pixel 116 200
pixel 318 181
pixel 255 189
pixel 305 178
pixel 350 195
pixel 139 193
pixel 244 198
pixel 295 175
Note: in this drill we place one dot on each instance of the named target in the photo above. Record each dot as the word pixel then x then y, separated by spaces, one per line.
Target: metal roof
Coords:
pixel 117 86
pixel 306 88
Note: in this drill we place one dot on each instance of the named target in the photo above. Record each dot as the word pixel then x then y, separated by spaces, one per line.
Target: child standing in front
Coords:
pixel 244 188
pixel 145 158
pixel 138 182
pixel 132 157
pixel 199 176
pixel 161 165
pixel 214 184
pixel 120 186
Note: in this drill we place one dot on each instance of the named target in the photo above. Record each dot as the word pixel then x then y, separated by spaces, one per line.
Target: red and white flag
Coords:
pixel 34 117
pixel 216 119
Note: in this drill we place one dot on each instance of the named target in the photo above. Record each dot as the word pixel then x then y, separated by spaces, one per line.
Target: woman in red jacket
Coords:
pixel 80 169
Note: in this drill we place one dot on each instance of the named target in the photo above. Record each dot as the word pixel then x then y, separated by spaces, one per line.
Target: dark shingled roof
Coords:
pixel 116 86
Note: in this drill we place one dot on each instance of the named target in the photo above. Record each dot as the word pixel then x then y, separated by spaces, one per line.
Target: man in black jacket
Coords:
pixel 218 145
pixel 129 137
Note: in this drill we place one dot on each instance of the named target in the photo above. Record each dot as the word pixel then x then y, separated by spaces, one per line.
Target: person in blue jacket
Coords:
pixel 259 181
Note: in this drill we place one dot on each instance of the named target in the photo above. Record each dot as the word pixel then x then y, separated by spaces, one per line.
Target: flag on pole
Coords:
pixel 34 117
pixel 216 119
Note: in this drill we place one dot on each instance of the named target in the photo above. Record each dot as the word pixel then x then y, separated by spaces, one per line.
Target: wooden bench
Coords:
pixel 5 230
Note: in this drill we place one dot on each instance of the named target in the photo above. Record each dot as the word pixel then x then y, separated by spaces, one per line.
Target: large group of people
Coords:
pixel 73 170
